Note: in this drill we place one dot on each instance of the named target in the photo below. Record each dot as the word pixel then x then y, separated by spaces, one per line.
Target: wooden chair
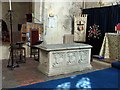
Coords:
pixel 34 38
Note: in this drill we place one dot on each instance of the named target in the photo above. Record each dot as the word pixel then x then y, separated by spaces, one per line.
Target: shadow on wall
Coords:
pixel 16 36
pixel 5 32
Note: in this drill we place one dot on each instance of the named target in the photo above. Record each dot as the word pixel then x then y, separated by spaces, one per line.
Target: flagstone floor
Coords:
pixel 28 73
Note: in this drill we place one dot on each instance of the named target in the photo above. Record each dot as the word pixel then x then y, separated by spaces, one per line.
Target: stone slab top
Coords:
pixel 112 34
pixel 71 46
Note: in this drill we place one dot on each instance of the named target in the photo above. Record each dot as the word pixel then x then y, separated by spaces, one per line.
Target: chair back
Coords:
pixel 34 36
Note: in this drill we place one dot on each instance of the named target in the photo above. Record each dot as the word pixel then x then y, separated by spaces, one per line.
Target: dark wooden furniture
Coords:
pixel 26 29
pixel 19 53
pixel 22 52
pixel 34 40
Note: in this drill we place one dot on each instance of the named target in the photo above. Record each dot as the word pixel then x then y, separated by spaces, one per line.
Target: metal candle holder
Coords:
pixel 11 58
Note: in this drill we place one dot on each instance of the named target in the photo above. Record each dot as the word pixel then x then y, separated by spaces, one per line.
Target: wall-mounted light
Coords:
pixel 51 12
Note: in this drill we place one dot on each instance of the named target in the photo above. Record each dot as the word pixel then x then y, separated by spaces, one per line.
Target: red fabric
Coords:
pixel 34 36
pixel 118 27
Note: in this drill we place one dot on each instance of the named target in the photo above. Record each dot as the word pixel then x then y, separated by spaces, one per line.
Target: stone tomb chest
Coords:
pixel 58 59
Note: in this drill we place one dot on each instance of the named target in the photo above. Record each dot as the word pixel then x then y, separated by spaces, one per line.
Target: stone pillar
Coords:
pixel 37 8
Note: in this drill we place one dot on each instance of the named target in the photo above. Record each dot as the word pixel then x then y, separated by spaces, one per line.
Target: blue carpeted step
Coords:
pixel 116 64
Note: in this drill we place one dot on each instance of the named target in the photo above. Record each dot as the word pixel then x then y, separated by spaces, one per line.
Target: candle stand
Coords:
pixel 11 63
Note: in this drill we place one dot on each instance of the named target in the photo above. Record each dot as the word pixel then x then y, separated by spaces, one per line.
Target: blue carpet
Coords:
pixel 116 64
pixel 106 78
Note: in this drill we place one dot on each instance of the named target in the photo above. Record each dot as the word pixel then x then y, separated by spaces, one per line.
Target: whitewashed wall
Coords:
pixel 62 20
pixel 4 52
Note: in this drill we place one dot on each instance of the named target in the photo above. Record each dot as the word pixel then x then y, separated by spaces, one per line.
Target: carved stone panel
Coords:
pixel 70 58
pixel 58 59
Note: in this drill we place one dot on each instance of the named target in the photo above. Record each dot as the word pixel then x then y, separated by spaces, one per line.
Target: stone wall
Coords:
pixel 61 13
